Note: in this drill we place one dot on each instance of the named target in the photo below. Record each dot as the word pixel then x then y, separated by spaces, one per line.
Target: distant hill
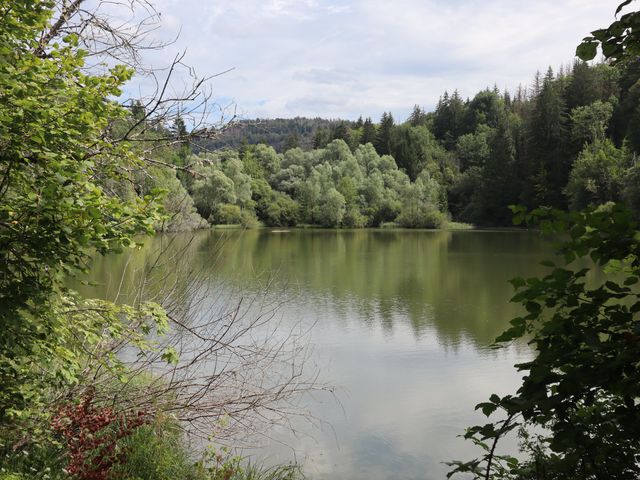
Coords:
pixel 280 133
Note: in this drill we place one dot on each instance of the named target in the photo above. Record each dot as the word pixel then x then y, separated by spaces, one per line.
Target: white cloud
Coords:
pixel 339 58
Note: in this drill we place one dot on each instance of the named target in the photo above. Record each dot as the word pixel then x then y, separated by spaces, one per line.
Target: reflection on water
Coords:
pixel 402 321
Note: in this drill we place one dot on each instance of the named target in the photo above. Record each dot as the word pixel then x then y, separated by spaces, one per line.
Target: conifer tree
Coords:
pixel 418 116
pixel 384 134
pixel 498 188
pixel 368 132
pixel 547 164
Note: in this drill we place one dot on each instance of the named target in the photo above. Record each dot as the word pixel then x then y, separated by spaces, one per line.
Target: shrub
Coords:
pixel 424 216
pixel 354 219
pixel 282 212
pixel 248 219
pixel 226 214
pixel 92 436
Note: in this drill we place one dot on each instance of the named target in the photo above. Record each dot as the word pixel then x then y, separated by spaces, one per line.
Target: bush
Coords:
pixel 354 219
pixel 282 212
pixel 424 216
pixel 92 436
pixel 226 214
pixel 248 219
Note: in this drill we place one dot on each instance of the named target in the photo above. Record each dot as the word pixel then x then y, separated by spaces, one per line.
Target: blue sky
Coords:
pixel 340 59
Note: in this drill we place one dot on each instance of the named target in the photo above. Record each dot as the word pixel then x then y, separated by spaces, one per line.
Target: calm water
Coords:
pixel 401 322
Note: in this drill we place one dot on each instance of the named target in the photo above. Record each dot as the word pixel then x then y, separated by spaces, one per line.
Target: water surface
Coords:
pixel 402 323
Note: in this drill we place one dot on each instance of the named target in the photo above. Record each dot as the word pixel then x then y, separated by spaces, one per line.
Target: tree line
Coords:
pixel 568 141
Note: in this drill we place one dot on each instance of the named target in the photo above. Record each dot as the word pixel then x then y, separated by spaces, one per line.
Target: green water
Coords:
pixel 401 323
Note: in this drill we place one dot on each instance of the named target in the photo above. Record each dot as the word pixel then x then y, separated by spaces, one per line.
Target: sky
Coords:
pixel 345 58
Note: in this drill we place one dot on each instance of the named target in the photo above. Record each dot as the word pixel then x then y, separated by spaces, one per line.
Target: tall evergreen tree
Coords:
pixel 384 134
pixel 498 189
pixel 548 164
pixel 418 116
pixel 449 119
pixel 582 88
pixel 341 132
pixel 368 132
pixel 626 117
pixel 179 130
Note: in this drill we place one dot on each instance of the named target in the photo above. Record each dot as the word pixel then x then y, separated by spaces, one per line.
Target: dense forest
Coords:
pixel 568 141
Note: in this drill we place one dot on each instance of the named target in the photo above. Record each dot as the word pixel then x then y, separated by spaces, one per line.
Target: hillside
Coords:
pixel 280 133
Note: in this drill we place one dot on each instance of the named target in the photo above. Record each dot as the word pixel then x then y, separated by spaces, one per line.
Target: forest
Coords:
pixel 280 133
pixel 570 140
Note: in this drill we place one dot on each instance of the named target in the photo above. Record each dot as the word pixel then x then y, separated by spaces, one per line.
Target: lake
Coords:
pixel 400 324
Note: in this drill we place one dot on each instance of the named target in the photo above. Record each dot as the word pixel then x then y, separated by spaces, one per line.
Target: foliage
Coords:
pixel 178 209
pixel 282 211
pixel 422 204
pixel 423 216
pixel 580 390
pixel 631 189
pixel 581 387
pixel 329 187
pixel 128 446
pixel 92 434
pixel 226 214
pixel 619 41
pixel 598 175
pixel 473 149
pixel 54 214
pixel 330 208
pixel 590 122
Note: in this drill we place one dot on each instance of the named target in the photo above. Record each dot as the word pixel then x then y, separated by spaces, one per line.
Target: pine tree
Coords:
pixel 384 135
pixel 498 188
pixel 537 84
pixel 179 130
pixel 418 116
pixel 582 87
pixel 368 132
pixel 137 110
pixel 548 162
pixel 449 119
pixel 341 132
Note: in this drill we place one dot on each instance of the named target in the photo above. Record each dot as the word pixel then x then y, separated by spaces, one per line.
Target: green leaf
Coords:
pixel 170 356
pixel 587 50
